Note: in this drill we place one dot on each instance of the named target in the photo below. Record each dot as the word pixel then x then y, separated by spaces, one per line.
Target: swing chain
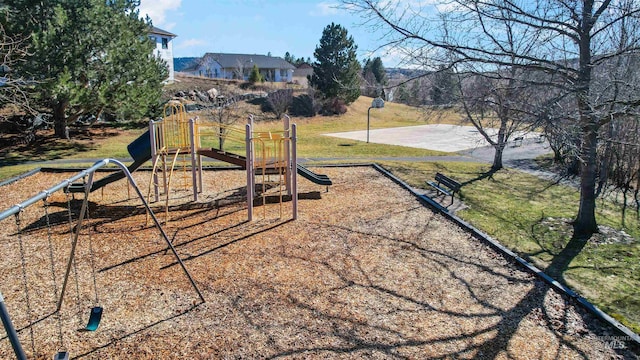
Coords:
pixel 91 256
pixel 45 202
pixel 24 277
pixel 75 265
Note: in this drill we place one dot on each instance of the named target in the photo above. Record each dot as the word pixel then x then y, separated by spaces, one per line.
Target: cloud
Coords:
pixel 168 26
pixel 158 9
pixel 394 57
pixel 325 8
pixel 419 6
pixel 189 43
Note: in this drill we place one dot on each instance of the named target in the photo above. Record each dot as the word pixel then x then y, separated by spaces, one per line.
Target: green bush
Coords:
pixel 255 75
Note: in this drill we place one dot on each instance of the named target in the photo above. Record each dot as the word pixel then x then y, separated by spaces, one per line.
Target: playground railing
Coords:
pixel 171 135
pixel 213 134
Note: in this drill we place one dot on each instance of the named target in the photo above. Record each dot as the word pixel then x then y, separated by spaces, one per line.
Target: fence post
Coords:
pixel 194 167
pixel 250 177
pixel 294 170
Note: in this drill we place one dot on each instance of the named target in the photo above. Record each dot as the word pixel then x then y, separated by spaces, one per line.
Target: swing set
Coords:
pixel 95 316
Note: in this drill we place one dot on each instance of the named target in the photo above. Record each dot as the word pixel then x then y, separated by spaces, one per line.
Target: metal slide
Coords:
pixel 319 179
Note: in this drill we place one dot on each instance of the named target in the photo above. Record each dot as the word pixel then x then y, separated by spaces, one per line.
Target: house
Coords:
pixel 301 74
pixel 164 47
pixel 238 66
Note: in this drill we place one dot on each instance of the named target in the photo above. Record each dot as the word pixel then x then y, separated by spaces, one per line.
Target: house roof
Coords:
pixel 155 30
pixel 262 61
pixel 303 71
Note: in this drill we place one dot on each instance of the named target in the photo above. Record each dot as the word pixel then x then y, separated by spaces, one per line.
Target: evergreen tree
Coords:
pixel 444 86
pixel 288 58
pixel 291 59
pixel 255 75
pixel 378 71
pixel 88 57
pixel 375 77
pixel 336 69
pixel 417 94
pixel 403 96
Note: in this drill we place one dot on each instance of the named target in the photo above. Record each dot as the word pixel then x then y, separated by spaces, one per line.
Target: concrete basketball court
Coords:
pixel 441 137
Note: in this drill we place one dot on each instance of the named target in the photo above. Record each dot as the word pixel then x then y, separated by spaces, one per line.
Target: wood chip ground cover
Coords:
pixel 365 272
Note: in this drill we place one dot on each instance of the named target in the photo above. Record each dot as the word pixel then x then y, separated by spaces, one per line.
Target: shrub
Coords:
pixel 304 105
pixel 278 102
pixel 334 106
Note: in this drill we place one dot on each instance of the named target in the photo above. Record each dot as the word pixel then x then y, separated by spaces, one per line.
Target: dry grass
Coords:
pixel 365 272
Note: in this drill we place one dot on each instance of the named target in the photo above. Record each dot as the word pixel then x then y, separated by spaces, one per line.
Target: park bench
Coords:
pixel 445 185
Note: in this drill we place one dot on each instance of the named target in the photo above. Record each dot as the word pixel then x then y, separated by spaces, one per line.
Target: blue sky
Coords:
pixel 256 26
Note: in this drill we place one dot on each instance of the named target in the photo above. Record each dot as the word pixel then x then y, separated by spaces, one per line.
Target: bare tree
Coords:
pixel 207 64
pixel 565 41
pixel 224 113
pixel 620 162
pixel 241 70
pixel 12 89
pixel 279 101
pixel 488 104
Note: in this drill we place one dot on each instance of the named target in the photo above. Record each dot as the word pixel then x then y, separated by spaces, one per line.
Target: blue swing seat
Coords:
pixel 94 319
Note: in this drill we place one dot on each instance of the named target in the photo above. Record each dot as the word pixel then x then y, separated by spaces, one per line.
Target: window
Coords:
pixel 165 43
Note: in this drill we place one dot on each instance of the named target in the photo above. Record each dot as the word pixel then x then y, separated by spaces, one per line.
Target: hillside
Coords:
pixel 181 63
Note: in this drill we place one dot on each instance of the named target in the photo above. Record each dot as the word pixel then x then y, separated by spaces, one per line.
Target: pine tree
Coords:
pixel 378 71
pixel 336 69
pixel 288 57
pixel 88 57
pixel 403 95
pixel 444 86
pixel 375 76
pixel 255 75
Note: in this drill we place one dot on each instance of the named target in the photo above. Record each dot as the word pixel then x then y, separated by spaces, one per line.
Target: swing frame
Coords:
pixel 61 186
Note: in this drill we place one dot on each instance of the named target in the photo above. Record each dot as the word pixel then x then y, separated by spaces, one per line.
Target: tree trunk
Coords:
pixel 221 136
pixel 585 224
pixel 497 157
pixel 60 120
pixel 501 142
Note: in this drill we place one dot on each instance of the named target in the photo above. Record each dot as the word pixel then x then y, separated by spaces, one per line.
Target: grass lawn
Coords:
pixel 523 212
pixel 526 214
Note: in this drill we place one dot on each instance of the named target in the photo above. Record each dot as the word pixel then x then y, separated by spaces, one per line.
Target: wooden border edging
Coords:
pixel 512 256
pixel 20 176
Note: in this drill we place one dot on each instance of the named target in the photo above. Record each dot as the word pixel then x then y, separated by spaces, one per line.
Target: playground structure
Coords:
pixel 75 230
pixel 269 156
pixel 177 142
